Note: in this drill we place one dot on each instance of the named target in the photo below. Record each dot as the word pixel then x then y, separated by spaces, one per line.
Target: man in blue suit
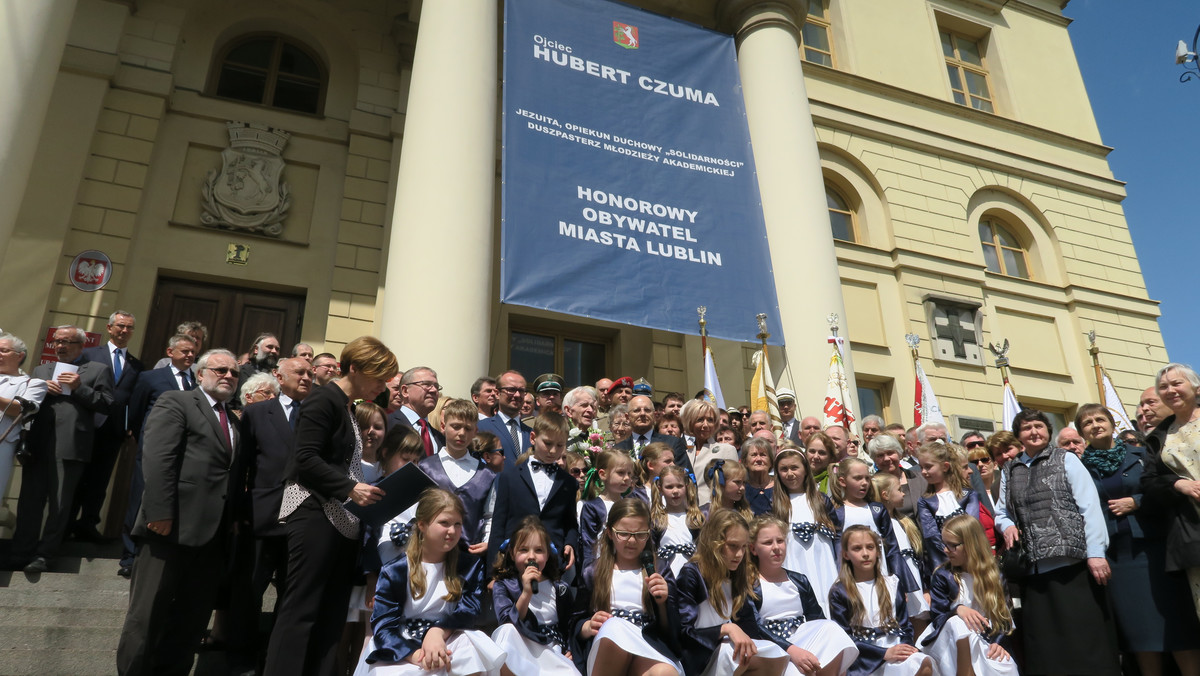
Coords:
pixel 506 424
pixel 112 433
pixel 175 376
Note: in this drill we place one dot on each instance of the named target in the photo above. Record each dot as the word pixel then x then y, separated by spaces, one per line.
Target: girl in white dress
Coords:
pixel 787 608
pixel 970 609
pixel 806 510
pixel 634 615
pixel 675 517
pixel 612 474
pixel 532 605
pixel 716 594
pixel 854 507
pixel 427 600
pixel 947 494
pixel 867 605
pixel 887 492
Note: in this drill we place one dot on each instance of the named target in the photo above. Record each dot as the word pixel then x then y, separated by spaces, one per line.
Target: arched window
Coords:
pixel 841 216
pixel 1002 251
pixel 270 70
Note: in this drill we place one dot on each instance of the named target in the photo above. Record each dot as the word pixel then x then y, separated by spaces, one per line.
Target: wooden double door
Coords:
pixel 234 316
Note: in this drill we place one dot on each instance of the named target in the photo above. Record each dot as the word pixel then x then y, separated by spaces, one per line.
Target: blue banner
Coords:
pixel 629 191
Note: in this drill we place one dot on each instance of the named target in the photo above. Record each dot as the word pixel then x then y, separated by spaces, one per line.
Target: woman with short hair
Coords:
pixel 699 418
pixel 886 453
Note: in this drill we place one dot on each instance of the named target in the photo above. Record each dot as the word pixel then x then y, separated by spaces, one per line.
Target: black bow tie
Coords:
pixel 550 468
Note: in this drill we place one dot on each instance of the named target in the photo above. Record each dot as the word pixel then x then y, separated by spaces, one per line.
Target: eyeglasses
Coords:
pixel 980 461
pixel 577 471
pixel 972 445
pixel 7 351
pixel 223 371
pixel 626 536
pixel 60 341
pixel 951 546
pixel 514 391
pixel 326 366
pixel 430 385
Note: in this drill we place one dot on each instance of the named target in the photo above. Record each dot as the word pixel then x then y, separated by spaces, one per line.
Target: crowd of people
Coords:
pixel 597 529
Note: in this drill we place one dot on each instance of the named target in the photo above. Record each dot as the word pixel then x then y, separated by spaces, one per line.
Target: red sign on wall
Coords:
pixel 48 354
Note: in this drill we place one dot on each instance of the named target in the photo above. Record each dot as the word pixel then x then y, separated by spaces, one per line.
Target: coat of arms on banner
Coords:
pixel 625 35
pixel 247 193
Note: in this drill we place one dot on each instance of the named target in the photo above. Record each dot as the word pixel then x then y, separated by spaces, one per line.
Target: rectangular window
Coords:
pixel 816 39
pixel 873 400
pixel 579 360
pixel 967 70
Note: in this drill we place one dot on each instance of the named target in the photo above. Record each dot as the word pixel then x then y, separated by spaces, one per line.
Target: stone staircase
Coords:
pixel 68 621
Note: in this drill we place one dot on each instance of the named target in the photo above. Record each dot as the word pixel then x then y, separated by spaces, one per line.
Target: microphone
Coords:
pixel 647 559
pixel 533 584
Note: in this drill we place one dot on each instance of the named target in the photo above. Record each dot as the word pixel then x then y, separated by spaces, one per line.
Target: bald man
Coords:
pixel 1151 411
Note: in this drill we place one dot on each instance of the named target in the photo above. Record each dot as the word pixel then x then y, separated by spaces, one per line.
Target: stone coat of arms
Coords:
pixel 247 193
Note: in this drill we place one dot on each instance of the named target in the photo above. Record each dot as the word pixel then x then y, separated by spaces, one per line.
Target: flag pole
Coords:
pixel 762 330
pixel 913 341
pixel 702 310
pixel 1094 350
pixel 1002 360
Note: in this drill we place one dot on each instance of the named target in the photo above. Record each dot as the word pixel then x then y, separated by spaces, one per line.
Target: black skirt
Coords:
pixel 1068 626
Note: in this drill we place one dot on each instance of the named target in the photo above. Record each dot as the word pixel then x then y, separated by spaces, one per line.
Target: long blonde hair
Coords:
pixel 944 455
pixel 858 610
pixel 982 566
pixel 836 492
pixel 718 473
pixel 884 482
pixel 712 567
pixel 606 555
pixel 433 502
pixel 658 506
pixel 781 500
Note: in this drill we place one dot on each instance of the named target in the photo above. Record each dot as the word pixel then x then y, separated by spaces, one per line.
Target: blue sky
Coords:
pixel 1126 52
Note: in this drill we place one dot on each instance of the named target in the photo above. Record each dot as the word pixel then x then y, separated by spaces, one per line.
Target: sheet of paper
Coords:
pixel 61 368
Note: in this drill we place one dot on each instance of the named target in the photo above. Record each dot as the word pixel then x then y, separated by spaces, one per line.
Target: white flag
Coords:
pixel 712 386
pixel 1113 403
pixel 930 411
pixel 762 392
pixel 837 398
pixel 1011 406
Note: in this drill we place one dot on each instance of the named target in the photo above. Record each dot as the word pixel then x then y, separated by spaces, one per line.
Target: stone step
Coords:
pixel 73 662
pixel 27 636
pixel 35 597
pixel 64 581
pixel 65 616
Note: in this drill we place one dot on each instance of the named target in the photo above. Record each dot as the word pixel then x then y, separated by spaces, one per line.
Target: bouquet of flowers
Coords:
pixel 585 442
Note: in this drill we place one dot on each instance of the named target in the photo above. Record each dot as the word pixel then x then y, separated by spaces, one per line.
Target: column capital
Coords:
pixel 742 17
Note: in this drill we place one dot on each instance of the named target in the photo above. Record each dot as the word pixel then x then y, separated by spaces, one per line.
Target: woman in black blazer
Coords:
pixel 323 537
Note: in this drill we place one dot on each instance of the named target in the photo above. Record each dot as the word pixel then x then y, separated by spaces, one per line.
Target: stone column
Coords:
pixel 792 188
pixel 438 298
pixel 35 34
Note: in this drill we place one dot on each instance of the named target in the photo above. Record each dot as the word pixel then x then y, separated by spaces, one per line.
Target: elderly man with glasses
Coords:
pixel 419 391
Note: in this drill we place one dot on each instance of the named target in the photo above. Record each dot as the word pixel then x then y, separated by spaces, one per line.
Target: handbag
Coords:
pixel 1014 562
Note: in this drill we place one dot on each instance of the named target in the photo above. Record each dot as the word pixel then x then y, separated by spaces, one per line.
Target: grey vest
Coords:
pixel 1050 521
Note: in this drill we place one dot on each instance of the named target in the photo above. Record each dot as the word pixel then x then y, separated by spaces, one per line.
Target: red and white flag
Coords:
pixel 837 396
pixel 925 404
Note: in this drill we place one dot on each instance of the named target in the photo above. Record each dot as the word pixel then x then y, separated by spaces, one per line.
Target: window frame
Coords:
pixel 850 211
pixel 963 66
pixel 560 337
pixel 272 71
pixel 883 388
pixel 996 224
pixel 824 23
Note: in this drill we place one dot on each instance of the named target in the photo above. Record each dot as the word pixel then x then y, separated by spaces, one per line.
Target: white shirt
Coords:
pixel 30 389
pixel 458 470
pixel 542 483
pixel 508 427
pixel 179 380
pixel 640 440
pixel 286 402
pixel 414 418
pixel 212 405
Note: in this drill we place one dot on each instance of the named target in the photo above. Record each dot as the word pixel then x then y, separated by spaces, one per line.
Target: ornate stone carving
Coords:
pixel 247 193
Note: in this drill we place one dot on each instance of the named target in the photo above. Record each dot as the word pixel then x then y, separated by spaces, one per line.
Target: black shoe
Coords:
pixel 37 566
pixel 85 533
pixel 125 572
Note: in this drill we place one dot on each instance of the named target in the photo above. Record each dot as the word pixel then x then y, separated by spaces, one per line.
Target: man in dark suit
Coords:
pixel 267 434
pixel 190 443
pixel 112 433
pixel 175 376
pixel 641 420
pixel 419 390
pixel 60 441
pixel 506 424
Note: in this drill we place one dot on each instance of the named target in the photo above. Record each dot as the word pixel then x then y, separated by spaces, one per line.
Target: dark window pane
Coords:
pixel 1006 238
pixel 947 45
pixel 955 80
pixel 531 354
pixel 977 84
pixel 241 84
pixel 293 61
pixel 969 51
pixel 255 53
pixel 835 201
pixel 842 225
pixel 816 8
pixel 989 256
pixel 1014 263
pixel 985 231
pixel 300 96
pixel 981 104
pixel 870 402
pixel 583 363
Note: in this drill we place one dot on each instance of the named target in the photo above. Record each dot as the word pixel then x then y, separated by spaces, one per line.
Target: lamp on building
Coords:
pixel 1187 59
